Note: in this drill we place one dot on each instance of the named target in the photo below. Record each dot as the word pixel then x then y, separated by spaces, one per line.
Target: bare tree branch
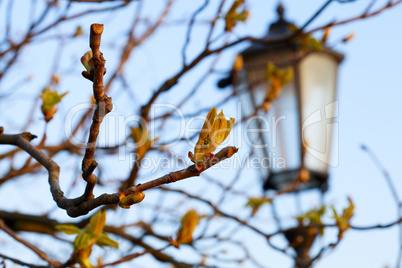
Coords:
pixel 81 205
pixel 38 252
pixel 16 261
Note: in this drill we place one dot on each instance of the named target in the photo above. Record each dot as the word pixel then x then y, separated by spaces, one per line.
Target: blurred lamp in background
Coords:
pixel 295 83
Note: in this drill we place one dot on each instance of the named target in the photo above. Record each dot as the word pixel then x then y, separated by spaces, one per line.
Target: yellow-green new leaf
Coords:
pixel 313 217
pixel 205 131
pixel 342 221
pixel 221 129
pixel 271 70
pixel 256 202
pixel 314 44
pixel 309 43
pixel 287 75
pixel 188 224
pixel 139 135
pixel 349 211
pixel 97 222
pixel 78 31
pixel 68 229
pixel 89 236
pixel 50 99
pixel 234 15
pixel 105 240
pixel 83 241
pixel 284 75
pixel 214 131
pixel 277 78
pixel 85 263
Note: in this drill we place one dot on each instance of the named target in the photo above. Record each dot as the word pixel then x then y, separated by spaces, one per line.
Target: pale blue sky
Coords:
pixel 369 106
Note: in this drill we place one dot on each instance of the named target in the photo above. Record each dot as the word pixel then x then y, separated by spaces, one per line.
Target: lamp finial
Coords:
pixel 280 10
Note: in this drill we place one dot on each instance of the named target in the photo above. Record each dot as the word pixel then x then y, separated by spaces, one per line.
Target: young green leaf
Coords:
pixel 83 241
pixel 68 229
pixel 50 99
pixel 188 224
pixel 342 221
pixel 313 217
pixel 314 44
pixel 214 131
pixel 89 236
pixel 277 78
pixel 256 202
pixel 85 262
pixel 104 240
pixel 78 31
pixel 234 15
pixel 97 222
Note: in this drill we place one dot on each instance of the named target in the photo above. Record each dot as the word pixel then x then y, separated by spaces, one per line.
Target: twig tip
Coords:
pixel 97 28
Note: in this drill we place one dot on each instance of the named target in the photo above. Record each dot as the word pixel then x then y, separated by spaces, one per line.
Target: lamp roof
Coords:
pixel 280 30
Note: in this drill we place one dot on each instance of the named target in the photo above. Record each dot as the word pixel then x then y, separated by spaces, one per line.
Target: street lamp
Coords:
pixel 295 135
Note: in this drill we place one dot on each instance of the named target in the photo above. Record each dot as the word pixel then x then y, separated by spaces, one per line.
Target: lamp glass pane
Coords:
pixel 284 136
pixel 318 74
pixel 280 125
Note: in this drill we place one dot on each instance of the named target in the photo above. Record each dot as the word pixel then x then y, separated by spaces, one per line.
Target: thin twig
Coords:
pixel 365 15
pixel 38 252
pixel 103 107
pixel 156 254
pixel 384 172
pixel 81 205
pixel 394 193
pixel 312 18
pixel 189 30
pixel 16 261
pixel 133 256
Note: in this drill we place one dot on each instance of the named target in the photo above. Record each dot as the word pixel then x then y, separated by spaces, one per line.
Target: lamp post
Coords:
pixel 291 123
pixel 294 137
